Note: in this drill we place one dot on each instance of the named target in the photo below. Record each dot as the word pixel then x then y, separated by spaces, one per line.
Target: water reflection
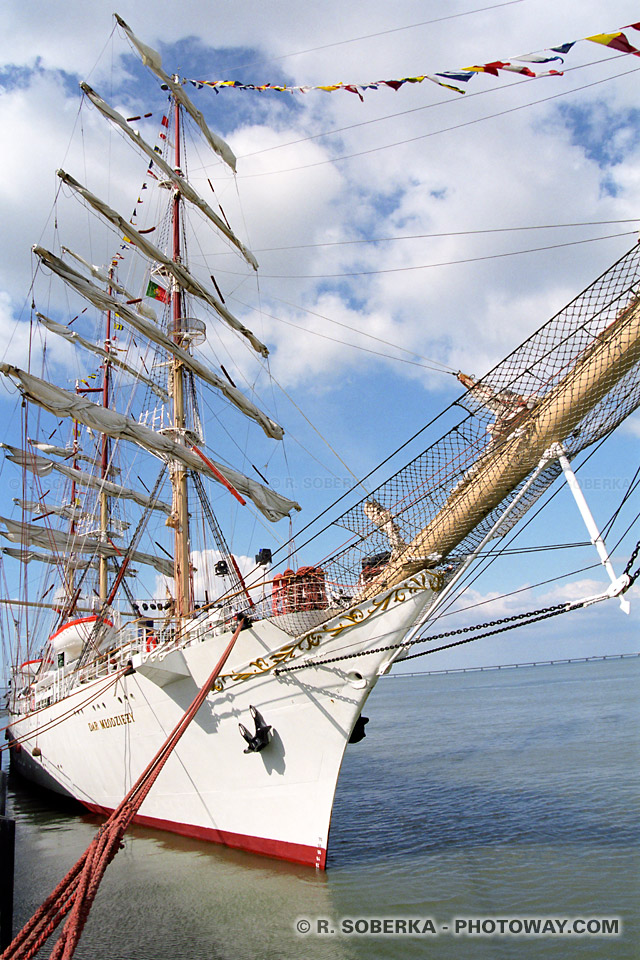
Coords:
pixel 519 801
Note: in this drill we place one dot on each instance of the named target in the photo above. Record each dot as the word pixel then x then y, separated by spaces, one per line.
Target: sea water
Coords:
pixel 475 798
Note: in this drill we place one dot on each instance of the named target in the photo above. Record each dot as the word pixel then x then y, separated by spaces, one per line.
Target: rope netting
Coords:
pixel 570 383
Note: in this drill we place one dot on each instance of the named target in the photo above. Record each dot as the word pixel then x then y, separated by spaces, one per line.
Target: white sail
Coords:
pixel 70 512
pixel 68 454
pixel 103 301
pixel 42 467
pixel 177 270
pixel 63 331
pixel 97 273
pixel 67 510
pixel 74 563
pixel 61 403
pixel 181 184
pixel 30 533
pixel 152 59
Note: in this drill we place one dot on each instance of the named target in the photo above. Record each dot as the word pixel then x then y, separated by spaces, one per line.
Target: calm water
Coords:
pixel 496 794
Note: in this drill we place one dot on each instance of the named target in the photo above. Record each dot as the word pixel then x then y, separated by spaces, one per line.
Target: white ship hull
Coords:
pixel 276 802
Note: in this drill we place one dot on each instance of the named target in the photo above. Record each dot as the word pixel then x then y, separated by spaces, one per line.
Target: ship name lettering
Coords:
pixel 120 720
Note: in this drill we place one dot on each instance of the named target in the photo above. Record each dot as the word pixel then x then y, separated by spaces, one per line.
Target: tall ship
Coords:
pixel 125 506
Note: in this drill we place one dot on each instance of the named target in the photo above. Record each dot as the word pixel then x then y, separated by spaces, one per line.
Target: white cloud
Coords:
pixel 516 172
pixel 533 166
pixel 206 583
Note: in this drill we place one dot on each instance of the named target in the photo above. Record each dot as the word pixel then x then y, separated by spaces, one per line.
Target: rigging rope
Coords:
pixel 90 645
pixel 76 892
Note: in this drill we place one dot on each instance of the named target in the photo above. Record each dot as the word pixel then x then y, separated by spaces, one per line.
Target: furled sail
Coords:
pixel 177 270
pixel 70 512
pixel 74 563
pixel 111 489
pixel 152 59
pixel 68 454
pixel 64 543
pixel 67 510
pixel 42 467
pixel 181 184
pixel 64 404
pixel 97 273
pixel 103 301
pixel 63 331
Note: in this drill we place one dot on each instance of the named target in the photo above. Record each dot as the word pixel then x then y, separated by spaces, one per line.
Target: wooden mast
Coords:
pixel 104 463
pixel 68 575
pixel 179 472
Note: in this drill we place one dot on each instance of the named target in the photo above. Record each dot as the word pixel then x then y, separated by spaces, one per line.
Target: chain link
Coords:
pixel 530 616
pixel 516 620
pixel 627 570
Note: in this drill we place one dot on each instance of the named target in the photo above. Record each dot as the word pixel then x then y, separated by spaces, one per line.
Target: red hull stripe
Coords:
pixel 281 849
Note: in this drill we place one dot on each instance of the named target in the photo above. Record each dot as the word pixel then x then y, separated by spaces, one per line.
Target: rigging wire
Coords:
pixel 345 343
pixel 364 333
pixel 433 133
pixel 410 440
pixel 510 623
pixel 426 106
pixel 487 560
pixel 520 251
pixel 380 33
pixel 428 236
pixel 525 589
pixel 516 620
pixel 630 489
pixel 445 263
pixel 631 525
pixel 273 380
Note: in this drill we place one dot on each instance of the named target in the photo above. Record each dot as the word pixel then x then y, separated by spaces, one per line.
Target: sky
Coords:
pixel 507 201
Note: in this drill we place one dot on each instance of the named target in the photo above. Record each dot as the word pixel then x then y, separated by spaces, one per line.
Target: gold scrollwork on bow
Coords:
pixel 425 580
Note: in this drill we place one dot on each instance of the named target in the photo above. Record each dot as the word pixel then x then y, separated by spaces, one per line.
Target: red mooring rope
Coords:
pixel 76 892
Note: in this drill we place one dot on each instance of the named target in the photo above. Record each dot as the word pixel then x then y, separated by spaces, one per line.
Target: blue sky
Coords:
pixel 413 163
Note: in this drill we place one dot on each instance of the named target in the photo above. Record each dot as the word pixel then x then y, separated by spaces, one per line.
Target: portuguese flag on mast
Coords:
pixel 157 292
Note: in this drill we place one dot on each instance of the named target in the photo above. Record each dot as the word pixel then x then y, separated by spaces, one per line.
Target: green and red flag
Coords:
pixel 157 292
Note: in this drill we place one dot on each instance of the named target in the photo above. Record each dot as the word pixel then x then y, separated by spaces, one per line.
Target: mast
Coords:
pixel 69 576
pixel 104 463
pixel 179 472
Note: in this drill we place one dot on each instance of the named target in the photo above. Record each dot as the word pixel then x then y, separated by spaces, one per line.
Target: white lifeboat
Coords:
pixel 71 637
pixel 28 669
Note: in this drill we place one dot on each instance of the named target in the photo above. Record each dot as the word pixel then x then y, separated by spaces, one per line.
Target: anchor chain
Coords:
pixel 490 627
pixel 516 620
pixel 627 570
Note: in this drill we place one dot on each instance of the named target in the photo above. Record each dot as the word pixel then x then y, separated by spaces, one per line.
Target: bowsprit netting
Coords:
pixel 568 385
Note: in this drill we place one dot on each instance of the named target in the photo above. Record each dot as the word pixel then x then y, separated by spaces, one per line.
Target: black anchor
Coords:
pixel 262 736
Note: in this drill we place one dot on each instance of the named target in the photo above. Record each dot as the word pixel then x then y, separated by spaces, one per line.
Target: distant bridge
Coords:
pixel 512 666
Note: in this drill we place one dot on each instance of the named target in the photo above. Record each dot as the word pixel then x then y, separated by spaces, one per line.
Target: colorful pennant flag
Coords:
pixel 615 41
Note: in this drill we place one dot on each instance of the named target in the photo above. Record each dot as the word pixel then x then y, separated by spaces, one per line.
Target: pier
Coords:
pixel 511 666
